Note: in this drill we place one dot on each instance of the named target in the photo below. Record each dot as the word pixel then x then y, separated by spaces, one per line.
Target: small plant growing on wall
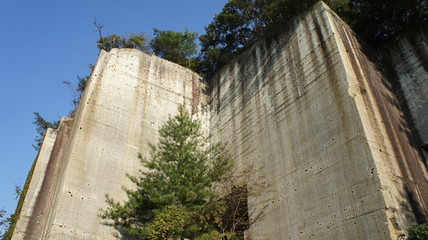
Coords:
pixel 418 232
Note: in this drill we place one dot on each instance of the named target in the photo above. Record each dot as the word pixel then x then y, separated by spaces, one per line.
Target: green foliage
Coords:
pixel 419 232
pixel 174 196
pixel 216 235
pixel 137 41
pixel 230 32
pixel 78 89
pixel 41 126
pixel 242 22
pixel 178 47
pixel 169 223
pixel 81 85
pixel 4 222
pixel 18 192
pixel 109 42
pixel 380 20
pixel 278 12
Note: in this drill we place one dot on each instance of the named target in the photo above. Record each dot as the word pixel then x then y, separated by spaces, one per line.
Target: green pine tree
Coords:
pixel 178 47
pixel 174 195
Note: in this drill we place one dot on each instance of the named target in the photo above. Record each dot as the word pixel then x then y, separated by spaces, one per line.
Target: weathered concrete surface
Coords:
pixel 409 63
pixel 129 96
pixel 312 114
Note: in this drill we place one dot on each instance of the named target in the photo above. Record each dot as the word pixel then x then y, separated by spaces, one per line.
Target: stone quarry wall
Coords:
pixel 408 58
pixel 317 120
pixel 306 112
pixel 129 96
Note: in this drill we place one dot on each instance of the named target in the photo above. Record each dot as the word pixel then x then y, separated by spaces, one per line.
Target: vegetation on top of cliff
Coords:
pixel 137 41
pixel 174 196
pixel 42 126
pixel 178 47
pixel 377 21
pixel 242 22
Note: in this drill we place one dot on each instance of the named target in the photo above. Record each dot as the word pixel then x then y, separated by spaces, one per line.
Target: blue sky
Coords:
pixel 46 42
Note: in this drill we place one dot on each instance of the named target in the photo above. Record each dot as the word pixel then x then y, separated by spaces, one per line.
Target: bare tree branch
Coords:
pixel 99 26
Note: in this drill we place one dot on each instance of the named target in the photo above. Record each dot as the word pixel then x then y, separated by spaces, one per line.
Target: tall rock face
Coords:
pixel 307 113
pixel 317 120
pixel 129 96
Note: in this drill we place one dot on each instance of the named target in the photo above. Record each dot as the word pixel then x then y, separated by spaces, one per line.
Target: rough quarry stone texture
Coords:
pixel 409 61
pixel 306 112
pixel 316 120
pixel 129 96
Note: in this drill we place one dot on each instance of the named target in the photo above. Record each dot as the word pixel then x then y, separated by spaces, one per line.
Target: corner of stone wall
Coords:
pixel 398 161
pixel 35 179
pixel 37 204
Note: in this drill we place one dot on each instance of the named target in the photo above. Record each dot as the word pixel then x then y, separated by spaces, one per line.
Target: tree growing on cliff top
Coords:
pixel 42 126
pixel 242 22
pixel 178 47
pixel 137 41
pixel 174 195
pixel 380 20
